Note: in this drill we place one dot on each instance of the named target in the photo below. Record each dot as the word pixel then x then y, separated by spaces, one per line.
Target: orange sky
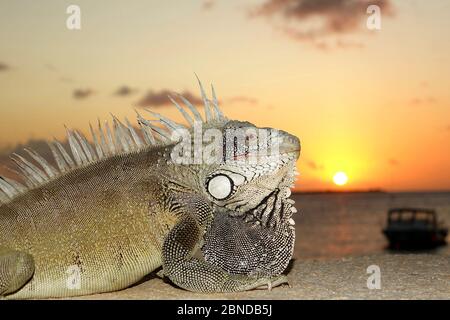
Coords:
pixel 372 103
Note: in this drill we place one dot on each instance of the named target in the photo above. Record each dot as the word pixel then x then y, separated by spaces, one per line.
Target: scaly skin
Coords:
pixel 112 228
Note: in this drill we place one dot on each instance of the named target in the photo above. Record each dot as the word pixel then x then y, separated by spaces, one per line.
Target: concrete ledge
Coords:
pixel 402 277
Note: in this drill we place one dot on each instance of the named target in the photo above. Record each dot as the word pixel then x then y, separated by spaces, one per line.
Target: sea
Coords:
pixel 340 225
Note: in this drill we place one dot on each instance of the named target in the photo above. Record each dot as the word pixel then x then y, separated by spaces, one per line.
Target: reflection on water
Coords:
pixel 340 225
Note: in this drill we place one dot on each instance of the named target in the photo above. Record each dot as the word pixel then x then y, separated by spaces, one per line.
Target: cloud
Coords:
pixel 424 84
pixel 4 67
pixel 50 67
pixel 431 100
pixel 208 4
pixel 160 98
pixel 38 145
pixel 393 162
pixel 323 23
pixel 124 91
pixel 242 99
pixel 314 165
pixel 415 101
pixel 423 100
pixel 82 93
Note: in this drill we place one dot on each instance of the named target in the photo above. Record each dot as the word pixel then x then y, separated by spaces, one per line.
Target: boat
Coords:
pixel 414 228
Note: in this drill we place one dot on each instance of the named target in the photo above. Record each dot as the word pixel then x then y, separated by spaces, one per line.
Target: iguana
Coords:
pixel 104 214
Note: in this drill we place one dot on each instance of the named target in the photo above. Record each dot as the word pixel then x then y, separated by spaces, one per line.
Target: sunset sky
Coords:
pixel 374 104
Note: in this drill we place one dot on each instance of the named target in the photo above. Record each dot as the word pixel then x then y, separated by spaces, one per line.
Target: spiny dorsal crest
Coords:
pixel 107 141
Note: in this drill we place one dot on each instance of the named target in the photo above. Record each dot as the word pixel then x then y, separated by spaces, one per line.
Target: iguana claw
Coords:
pixel 271 283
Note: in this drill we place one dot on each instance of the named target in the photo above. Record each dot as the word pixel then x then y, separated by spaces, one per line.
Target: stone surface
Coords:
pixel 403 276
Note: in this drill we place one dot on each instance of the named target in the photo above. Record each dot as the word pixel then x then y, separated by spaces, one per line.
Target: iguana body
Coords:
pixel 106 218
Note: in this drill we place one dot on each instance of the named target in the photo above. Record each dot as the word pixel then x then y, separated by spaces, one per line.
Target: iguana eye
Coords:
pixel 220 186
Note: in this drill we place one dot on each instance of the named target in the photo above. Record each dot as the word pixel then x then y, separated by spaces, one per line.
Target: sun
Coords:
pixel 340 178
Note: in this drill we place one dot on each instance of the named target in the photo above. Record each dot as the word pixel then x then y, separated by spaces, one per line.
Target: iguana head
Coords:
pixel 254 164
pixel 252 231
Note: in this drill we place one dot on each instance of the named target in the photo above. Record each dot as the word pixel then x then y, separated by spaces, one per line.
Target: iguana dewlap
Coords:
pixel 101 216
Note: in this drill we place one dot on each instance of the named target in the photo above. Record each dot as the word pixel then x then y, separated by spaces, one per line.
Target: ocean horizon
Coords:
pixel 335 225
